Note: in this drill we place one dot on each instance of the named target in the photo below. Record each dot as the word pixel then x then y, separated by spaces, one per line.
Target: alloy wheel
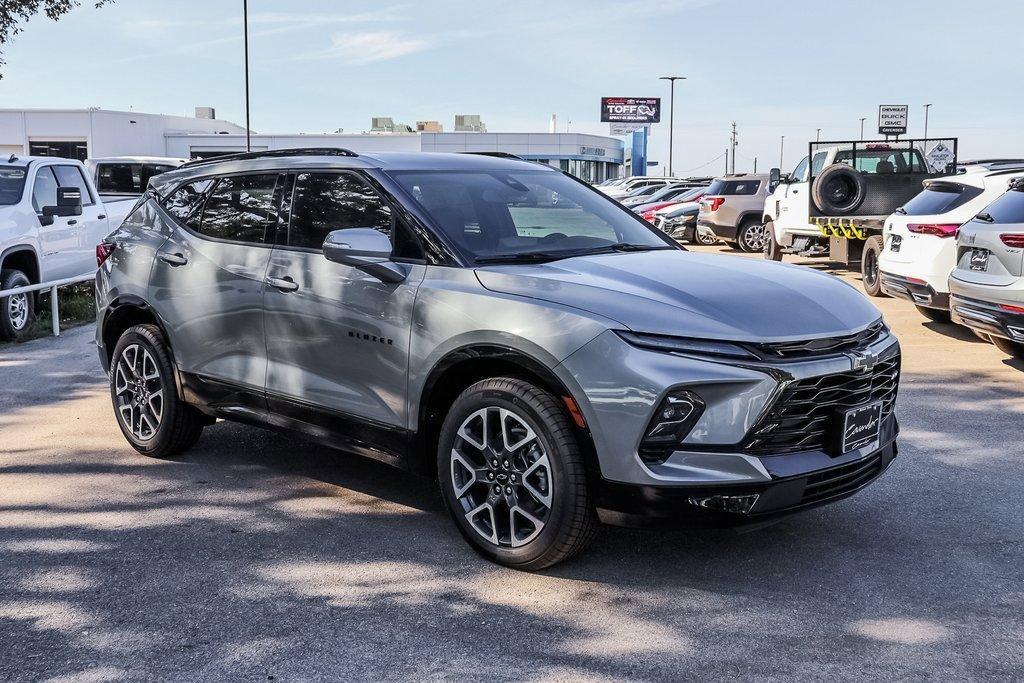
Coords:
pixel 705 237
pixel 755 237
pixel 139 392
pixel 17 310
pixel 501 476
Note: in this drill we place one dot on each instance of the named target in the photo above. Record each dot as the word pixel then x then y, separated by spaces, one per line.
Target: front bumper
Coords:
pixel 664 506
pixel 987 318
pixel 913 289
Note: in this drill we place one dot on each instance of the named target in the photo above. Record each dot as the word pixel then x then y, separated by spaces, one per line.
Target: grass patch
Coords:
pixel 77 305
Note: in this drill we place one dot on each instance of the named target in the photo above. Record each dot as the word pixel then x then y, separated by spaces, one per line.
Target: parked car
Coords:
pixel 836 201
pixel 51 219
pixel 987 286
pixel 124 177
pixel 681 224
pixel 552 366
pixel 673 194
pixel 732 209
pixel 920 246
pixel 623 189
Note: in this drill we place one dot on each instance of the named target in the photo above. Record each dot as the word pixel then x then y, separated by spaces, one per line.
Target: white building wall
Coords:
pixel 180 145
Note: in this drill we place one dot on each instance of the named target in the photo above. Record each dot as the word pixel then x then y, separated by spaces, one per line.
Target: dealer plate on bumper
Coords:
pixel 861 426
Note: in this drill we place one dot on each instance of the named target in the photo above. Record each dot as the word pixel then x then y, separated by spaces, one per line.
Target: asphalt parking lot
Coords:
pixel 258 556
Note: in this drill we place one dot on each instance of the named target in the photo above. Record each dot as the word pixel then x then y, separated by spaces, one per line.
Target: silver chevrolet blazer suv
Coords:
pixel 550 358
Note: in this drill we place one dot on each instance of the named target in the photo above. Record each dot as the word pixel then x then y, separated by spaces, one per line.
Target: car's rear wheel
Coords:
pixel 751 235
pixel 1010 348
pixel 512 475
pixel 869 266
pixel 936 315
pixel 17 310
pixel 151 416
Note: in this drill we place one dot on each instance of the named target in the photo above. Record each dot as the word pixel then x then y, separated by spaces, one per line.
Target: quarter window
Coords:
pixel 240 209
pixel 44 190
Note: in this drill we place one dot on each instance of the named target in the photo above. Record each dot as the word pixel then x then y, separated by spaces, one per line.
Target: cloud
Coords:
pixel 370 46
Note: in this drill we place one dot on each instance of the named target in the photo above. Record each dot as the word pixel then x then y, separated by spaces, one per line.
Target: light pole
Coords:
pixel 926 108
pixel 782 149
pixel 671 112
pixel 817 136
pixel 245 28
pixel 862 128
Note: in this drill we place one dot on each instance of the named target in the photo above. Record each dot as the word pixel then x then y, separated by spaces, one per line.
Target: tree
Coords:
pixel 14 12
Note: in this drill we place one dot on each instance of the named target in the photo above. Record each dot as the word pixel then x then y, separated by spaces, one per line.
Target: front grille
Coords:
pixel 803 418
pixel 822 346
pixel 840 480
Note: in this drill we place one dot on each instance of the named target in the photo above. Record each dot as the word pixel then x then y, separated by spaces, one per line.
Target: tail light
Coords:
pixel 713 202
pixel 103 252
pixel 1012 309
pixel 649 216
pixel 1013 239
pixel 936 229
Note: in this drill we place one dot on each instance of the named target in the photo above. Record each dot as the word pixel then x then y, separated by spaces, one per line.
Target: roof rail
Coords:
pixel 271 153
pixel 496 155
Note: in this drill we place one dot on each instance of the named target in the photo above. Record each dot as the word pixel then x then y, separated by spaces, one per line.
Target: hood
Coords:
pixel 688 294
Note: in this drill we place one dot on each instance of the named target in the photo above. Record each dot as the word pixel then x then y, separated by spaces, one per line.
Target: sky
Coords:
pixel 775 68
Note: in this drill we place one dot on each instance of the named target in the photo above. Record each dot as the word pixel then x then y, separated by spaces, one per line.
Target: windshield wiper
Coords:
pixel 987 217
pixel 525 257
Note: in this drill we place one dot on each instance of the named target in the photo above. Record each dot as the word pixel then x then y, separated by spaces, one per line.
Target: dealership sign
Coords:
pixel 624 128
pixel 641 110
pixel 892 119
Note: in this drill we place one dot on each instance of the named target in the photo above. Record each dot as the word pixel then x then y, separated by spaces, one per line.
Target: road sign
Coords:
pixel 892 119
pixel 939 157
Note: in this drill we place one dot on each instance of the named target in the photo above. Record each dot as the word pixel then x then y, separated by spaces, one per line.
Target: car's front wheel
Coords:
pixel 16 310
pixel 512 475
pixel 151 416
pixel 772 249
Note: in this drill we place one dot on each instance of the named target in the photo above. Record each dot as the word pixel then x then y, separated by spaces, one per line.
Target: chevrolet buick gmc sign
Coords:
pixel 892 119
pixel 642 110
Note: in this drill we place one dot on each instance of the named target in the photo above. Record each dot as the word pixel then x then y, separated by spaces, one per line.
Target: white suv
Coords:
pixel 920 238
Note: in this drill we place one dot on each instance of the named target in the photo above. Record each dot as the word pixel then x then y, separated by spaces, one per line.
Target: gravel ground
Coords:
pixel 257 556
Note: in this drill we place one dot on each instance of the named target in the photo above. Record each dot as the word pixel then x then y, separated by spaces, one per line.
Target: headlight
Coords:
pixel 695 347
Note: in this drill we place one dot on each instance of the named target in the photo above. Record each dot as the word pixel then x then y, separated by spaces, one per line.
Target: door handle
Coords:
pixel 72 221
pixel 173 259
pixel 285 284
pixel 101 216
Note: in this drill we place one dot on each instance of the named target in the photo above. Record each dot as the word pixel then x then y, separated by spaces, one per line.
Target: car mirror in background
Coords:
pixel 774 178
pixel 367 249
pixel 69 203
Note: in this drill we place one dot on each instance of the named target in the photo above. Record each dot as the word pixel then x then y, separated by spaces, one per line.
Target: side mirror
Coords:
pixel 367 249
pixel 774 178
pixel 69 203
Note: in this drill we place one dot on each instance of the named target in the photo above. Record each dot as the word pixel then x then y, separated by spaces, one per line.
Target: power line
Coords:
pixel 697 168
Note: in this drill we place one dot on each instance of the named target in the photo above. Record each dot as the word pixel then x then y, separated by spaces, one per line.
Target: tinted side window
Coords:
pixel 800 172
pixel 1009 208
pixel 333 201
pixel 44 191
pixel 240 208
pixel 71 176
pixel 186 203
pixel 741 187
pixel 127 178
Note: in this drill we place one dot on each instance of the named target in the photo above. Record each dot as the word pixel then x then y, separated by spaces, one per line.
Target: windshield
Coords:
pixel 938 198
pixel 540 215
pixel 12 182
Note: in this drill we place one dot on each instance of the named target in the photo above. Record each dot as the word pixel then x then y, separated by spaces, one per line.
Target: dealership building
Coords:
pixel 95 133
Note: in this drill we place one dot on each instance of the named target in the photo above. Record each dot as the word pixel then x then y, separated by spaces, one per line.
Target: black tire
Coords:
pixel 18 311
pixel 772 250
pixel 179 424
pixel 569 520
pixel 838 190
pixel 936 315
pixel 1010 348
pixel 750 235
pixel 869 266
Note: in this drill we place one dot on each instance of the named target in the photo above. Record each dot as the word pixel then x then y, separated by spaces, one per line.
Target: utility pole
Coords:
pixel 862 128
pixel 782 148
pixel 726 161
pixel 733 145
pixel 245 28
pixel 671 112
pixel 926 108
pixel 817 136
pixel 755 164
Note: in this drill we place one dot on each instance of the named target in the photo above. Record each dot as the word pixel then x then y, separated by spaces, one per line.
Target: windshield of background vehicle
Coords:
pixel 12 183
pixel 502 213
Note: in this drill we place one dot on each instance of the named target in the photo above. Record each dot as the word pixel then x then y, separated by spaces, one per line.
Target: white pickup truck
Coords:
pixel 51 220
